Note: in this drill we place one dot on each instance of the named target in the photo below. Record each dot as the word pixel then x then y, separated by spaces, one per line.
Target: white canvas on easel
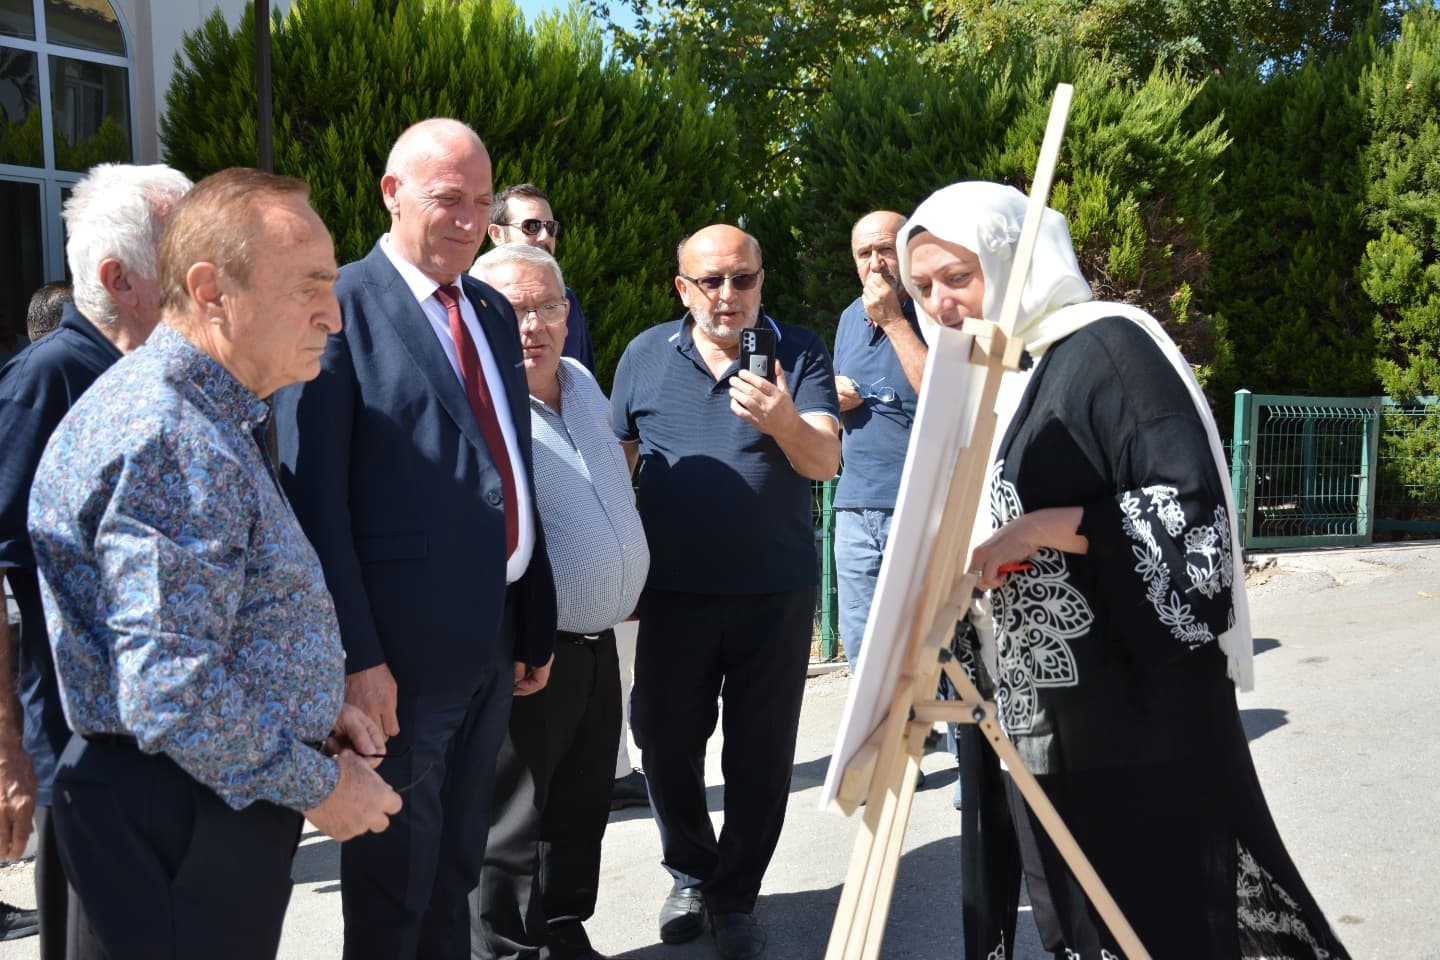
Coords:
pixel 920 592
pixel 944 422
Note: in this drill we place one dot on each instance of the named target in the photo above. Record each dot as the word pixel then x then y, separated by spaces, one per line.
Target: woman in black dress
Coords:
pixel 1113 658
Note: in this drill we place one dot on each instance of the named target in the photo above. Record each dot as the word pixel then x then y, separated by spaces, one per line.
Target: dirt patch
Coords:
pixel 1260 571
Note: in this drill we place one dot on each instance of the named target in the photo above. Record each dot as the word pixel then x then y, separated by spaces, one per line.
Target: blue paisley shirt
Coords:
pixel 185 606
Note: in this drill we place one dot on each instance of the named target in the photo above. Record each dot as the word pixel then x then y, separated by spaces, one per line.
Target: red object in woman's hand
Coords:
pixel 1014 568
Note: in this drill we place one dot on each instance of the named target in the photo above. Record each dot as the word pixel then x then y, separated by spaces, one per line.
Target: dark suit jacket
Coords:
pixel 393 483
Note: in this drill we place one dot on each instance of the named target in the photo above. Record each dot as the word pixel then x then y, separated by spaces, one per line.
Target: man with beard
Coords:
pixel 729 605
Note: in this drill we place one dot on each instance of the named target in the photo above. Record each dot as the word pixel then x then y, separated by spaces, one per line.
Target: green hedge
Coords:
pixel 630 158
pixel 1282 220
pixel 1133 179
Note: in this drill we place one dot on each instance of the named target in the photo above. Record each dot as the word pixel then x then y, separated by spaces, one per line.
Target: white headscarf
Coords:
pixel 985 218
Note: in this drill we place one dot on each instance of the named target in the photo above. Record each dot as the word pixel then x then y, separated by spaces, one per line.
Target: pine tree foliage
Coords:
pixel 1289 317
pixel 1400 166
pixel 632 158
pixel 1134 180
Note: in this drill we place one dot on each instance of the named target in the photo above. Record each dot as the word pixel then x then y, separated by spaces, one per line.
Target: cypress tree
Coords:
pixel 1401 173
pixel 1133 178
pixel 631 157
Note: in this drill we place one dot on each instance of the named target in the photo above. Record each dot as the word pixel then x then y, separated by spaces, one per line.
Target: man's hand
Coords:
pixel 764 405
pixel 356 733
pixel 847 392
pixel 17 798
pixel 373 690
pixel 530 679
pixel 17 774
pixel 811 443
pixel 360 803
pixel 882 303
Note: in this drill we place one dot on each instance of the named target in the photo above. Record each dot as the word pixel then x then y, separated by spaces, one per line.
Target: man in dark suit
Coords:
pixel 408 462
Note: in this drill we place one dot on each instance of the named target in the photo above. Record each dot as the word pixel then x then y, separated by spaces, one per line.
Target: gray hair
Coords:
pixel 516 253
pixel 117 212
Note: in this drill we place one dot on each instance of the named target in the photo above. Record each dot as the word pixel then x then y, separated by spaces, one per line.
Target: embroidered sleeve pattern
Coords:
pixel 1154 519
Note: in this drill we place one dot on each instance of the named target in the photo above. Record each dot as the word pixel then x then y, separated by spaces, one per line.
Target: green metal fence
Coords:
pixel 1331 471
pixel 1407 499
pixel 827 609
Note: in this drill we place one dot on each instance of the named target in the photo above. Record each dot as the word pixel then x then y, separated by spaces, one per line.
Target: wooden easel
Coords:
pixel 883 769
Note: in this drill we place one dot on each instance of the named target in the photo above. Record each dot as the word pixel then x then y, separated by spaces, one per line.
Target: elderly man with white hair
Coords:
pixel 553 773
pixel 114 219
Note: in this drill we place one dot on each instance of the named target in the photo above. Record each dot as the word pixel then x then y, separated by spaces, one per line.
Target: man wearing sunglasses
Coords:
pixel 521 214
pixel 727 460
pixel 879 362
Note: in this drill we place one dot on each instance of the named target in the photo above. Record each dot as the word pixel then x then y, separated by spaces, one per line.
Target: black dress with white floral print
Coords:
pixel 1110 679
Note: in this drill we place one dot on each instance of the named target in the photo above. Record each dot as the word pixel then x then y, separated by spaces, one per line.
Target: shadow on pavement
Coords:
pixel 924 919
pixel 317 860
pixel 1261 720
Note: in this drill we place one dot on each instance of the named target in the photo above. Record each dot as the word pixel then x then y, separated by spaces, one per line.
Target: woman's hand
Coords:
pixel 1018 540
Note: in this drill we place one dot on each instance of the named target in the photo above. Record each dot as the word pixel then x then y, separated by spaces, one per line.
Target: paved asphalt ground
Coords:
pixel 1342 723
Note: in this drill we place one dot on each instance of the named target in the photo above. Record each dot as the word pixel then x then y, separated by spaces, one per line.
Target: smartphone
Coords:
pixel 757 351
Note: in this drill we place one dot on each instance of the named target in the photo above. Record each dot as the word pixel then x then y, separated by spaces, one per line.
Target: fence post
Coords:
pixel 1240 472
pixel 829 604
pixel 1369 470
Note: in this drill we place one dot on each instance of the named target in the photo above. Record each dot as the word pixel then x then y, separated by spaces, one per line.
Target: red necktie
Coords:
pixel 483 407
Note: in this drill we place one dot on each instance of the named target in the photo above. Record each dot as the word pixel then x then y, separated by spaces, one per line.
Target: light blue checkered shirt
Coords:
pixel 593 533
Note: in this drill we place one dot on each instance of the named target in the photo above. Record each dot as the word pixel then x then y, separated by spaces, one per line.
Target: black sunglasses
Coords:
pixel 740 281
pixel 531 227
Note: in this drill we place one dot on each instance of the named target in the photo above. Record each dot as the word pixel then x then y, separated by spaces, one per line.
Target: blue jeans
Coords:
pixel 860 535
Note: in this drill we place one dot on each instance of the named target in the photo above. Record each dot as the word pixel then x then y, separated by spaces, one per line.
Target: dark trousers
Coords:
pixel 166 870
pixel 65 931
pixel 751 651
pixel 405 892
pixel 989 855
pixel 552 801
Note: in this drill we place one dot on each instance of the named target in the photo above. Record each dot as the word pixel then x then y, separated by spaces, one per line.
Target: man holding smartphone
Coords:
pixel 727 459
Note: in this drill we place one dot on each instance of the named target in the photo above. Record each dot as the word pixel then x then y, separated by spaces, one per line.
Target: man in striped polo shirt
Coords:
pixel 725 492
pixel 554 772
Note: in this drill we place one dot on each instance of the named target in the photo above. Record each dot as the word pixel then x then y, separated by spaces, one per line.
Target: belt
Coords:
pixel 584 639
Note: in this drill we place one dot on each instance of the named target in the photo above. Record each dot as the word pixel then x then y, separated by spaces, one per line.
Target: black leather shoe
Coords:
pixel 738 936
pixel 629 791
pixel 17 922
pixel 682 915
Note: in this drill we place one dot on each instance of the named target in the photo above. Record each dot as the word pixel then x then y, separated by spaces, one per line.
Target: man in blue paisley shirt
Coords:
pixel 197 649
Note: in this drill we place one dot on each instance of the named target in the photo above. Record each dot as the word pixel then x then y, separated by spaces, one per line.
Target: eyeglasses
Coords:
pixel 884 394
pixel 532 227
pixel 396 755
pixel 550 314
pixel 712 284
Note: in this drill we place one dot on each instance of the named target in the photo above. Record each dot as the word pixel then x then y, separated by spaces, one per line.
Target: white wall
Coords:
pixel 155 30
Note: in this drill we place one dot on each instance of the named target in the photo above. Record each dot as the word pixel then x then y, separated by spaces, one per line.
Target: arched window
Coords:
pixel 65 103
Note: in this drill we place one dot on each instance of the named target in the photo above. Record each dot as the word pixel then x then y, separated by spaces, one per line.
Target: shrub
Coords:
pixel 1400 166
pixel 631 158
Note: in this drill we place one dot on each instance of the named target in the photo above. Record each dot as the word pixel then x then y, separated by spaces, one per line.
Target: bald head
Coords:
pixel 718 237
pixel 719 282
pixel 436 137
pixel 872 245
pixel 884 221
pixel 437 188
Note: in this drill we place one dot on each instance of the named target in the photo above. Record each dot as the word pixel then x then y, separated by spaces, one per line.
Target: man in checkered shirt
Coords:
pixel 554 772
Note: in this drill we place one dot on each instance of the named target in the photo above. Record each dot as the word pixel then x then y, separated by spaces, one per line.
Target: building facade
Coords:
pixel 81 82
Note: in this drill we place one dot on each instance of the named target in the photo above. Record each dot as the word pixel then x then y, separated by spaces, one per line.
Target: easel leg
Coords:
pixel 865 899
